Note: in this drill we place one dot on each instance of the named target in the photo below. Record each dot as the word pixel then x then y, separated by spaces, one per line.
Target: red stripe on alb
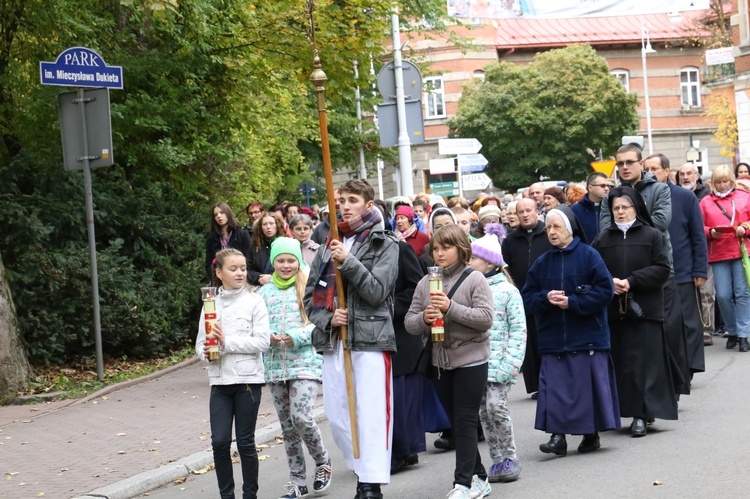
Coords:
pixel 387 359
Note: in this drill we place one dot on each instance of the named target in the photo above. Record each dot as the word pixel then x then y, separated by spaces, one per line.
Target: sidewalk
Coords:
pixel 119 442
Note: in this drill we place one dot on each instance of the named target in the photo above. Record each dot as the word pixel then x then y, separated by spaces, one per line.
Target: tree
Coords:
pixel 14 367
pixel 723 111
pixel 538 120
pixel 217 106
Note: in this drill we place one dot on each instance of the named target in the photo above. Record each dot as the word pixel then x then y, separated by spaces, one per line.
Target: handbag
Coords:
pixel 745 261
pixel 424 363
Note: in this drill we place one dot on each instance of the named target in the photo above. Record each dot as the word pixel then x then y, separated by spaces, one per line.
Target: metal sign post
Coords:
pixel 82 67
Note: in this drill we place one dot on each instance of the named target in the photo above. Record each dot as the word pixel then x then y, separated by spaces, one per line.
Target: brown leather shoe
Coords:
pixel 707 340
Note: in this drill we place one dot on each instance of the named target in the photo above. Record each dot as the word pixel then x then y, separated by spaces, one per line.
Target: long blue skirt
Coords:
pixel 408 426
pixel 577 394
pixel 435 418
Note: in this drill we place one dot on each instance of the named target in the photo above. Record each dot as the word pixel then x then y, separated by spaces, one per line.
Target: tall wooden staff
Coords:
pixel 319 79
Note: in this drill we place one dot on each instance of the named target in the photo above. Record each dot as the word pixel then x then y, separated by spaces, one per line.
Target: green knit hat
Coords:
pixel 286 246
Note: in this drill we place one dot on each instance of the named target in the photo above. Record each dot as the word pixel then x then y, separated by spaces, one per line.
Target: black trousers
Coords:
pixel 460 391
pixel 239 403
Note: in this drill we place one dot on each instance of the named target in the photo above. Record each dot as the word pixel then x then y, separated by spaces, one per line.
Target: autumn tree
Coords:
pixel 724 113
pixel 538 120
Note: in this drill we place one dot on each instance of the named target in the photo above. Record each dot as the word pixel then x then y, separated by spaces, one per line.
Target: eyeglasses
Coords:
pixel 627 163
pixel 622 208
pixel 255 212
pixel 603 186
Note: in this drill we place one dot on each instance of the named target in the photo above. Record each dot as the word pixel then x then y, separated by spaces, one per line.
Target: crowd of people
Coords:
pixel 601 294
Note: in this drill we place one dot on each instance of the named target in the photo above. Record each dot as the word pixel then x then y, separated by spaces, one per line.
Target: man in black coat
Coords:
pixel 521 248
pixel 689 259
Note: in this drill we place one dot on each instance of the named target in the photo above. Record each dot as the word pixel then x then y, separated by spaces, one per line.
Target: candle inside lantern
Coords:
pixel 209 316
pixel 436 286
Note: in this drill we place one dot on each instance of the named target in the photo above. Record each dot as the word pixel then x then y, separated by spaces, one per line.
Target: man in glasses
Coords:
pixel 658 200
pixel 587 209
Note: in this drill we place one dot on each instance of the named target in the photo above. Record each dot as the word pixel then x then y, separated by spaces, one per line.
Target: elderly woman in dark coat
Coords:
pixel 636 256
pixel 568 289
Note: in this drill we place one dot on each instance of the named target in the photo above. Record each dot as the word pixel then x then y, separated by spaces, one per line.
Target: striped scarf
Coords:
pixel 359 227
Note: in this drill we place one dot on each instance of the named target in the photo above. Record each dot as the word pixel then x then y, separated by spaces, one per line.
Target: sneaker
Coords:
pixel 294 491
pixel 322 477
pixel 509 471
pixel 493 475
pixel 479 488
pixel 459 492
pixel 707 339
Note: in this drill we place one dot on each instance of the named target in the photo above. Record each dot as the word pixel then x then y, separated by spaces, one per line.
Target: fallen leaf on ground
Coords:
pixel 261 446
pixel 180 480
pixel 262 458
pixel 657 482
pixel 121 452
pixel 121 434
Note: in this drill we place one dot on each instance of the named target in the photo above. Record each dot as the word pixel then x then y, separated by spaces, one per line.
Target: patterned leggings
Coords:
pixel 294 401
pixel 495 417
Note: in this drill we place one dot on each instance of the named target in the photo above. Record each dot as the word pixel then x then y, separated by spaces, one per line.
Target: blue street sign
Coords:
pixel 472 162
pixel 80 67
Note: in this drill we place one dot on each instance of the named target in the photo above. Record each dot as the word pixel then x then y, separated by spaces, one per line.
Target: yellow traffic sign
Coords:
pixel 605 167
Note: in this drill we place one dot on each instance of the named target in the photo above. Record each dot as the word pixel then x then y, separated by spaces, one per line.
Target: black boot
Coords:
pixel 445 442
pixel 744 345
pixel 589 443
pixel 732 342
pixel 368 491
pixel 638 428
pixel 557 445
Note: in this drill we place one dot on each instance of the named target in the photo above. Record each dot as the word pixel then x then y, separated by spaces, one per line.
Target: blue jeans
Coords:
pixel 239 403
pixel 733 296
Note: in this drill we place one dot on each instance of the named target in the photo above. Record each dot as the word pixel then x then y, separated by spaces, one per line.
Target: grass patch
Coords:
pixel 79 380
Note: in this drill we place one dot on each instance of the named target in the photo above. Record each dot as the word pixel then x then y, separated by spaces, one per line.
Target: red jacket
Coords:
pixel 727 246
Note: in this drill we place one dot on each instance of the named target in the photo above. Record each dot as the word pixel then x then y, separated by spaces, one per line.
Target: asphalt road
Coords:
pixel 704 454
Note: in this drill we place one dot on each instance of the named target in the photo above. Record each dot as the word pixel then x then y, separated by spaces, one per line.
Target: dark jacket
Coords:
pixel 369 277
pixel 521 248
pixel 238 239
pixel 259 261
pixel 689 249
pixel 588 215
pixel 640 256
pixel 580 272
pixel 409 346
pixel 701 191
pixel 320 234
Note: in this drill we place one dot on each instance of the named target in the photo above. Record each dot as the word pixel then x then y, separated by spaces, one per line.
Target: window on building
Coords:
pixel 623 75
pixel 691 88
pixel 434 97
pixel 479 74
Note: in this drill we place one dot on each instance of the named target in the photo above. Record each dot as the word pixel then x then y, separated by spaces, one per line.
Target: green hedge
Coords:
pixel 150 242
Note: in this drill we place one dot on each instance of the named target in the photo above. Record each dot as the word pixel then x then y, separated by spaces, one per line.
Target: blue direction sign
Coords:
pixel 80 67
pixel 472 162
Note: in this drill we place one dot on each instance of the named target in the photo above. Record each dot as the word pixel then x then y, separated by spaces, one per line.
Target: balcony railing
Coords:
pixel 717 72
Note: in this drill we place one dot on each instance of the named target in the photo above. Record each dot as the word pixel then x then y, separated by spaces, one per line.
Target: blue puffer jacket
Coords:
pixel 508 331
pixel 284 363
pixel 580 272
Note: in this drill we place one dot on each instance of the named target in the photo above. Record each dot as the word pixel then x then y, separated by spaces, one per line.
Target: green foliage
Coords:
pixel 538 120
pixel 217 105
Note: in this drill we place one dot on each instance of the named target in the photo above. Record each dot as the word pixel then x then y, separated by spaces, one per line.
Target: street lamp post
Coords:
pixel 646 49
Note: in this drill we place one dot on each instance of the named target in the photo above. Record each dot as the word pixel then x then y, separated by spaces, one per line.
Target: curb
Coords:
pixel 113 388
pixel 164 475
pixel 135 381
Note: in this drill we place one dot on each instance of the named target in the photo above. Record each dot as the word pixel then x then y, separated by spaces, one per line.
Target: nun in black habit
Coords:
pixel 636 255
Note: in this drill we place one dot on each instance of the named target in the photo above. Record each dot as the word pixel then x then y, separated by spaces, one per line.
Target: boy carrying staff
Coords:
pixel 367 258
